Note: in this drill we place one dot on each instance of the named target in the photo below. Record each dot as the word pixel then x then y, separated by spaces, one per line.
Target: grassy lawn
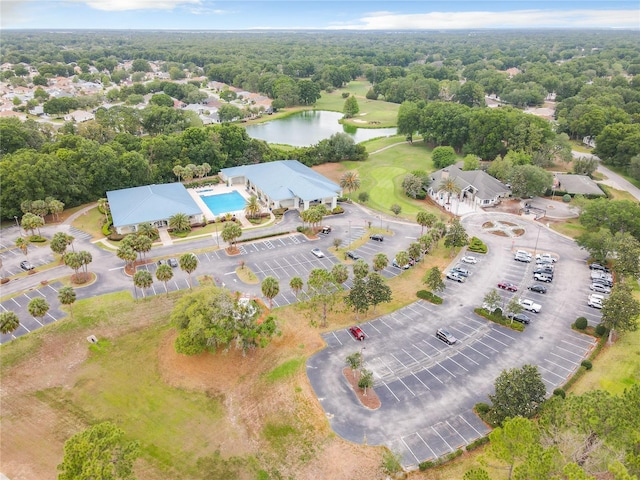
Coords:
pixel 623 173
pixel 382 173
pixel 615 194
pixel 90 222
pixel 373 113
pixel 571 227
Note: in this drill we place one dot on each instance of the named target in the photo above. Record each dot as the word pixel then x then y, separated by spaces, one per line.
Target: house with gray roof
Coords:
pixel 576 184
pixel 285 183
pixel 151 204
pixel 476 186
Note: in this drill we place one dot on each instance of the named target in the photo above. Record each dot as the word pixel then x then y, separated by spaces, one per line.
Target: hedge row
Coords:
pixel 497 317
pixel 429 296
pixel 477 246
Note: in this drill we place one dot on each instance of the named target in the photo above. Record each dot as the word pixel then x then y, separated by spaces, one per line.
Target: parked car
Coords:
pixel 162 262
pixel 352 255
pixel 602 281
pixel 325 230
pixel 357 333
pixel 538 288
pixel 519 317
pixel 543 277
pixel 469 259
pixel 524 253
pixel 522 258
pixel 455 277
pixel 446 336
pixel 172 262
pixel 597 266
pixel 377 237
pixel 508 286
pixel 595 300
pixel 545 258
pixel 25 265
pixel 397 265
pixel 530 305
pixel 460 270
pixel 598 287
pixel 544 269
pixel 317 252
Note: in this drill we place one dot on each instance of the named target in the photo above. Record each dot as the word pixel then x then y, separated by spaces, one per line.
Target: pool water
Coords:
pixel 224 202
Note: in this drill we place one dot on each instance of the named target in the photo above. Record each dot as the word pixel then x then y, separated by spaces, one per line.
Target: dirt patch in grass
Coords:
pixel 370 400
pixel 487 225
pixel 498 233
pixel 508 224
pixel 518 232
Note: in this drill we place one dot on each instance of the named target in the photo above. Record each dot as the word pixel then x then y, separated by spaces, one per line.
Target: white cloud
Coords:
pixel 123 5
pixel 513 19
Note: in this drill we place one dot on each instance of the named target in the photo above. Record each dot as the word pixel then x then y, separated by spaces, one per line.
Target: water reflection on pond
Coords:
pixel 307 128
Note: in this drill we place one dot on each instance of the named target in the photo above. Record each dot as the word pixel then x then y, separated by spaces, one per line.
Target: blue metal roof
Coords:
pixel 286 179
pixel 132 206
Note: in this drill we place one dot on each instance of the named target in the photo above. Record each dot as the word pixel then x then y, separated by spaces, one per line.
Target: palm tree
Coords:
pixel 231 232
pixel 296 284
pixel 178 170
pixel 270 289
pixel 350 181
pixel 449 186
pixel 67 296
pixel 380 262
pixel 142 244
pixel 31 222
pixel 56 207
pixel 103 205
pixel 85 259
pixel 180 222
pixel 38 307
pixel 9 321
pixel 142 279
pixel 164 273
pixel 425 219
pixel 188 263
pixel 127 254
pixel 60 241
pixel 147 230
pixel 74 261
pixel 23 244
pixel 252 208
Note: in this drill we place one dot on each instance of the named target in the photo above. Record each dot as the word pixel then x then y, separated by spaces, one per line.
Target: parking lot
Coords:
pixel 428 388
pixel 18 304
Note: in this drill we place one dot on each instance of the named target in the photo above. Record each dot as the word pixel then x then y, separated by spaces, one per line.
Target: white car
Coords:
pixel 455 277
pixel 530 305
pixel 545 258
pixel 595 300
pixel 469 259
pixel 317 252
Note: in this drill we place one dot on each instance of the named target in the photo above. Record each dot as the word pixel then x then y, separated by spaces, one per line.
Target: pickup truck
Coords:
pixel 530 305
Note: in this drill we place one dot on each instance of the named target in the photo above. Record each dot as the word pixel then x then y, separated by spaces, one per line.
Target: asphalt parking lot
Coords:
pixel 18 304
pixel 428 388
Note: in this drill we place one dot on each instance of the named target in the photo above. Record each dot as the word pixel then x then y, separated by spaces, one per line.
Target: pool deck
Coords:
pixel 218 190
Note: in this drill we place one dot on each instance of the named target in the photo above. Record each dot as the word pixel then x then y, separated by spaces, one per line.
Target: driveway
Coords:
pixel 428 388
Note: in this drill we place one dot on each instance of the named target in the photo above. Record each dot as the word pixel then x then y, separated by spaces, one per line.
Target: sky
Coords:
pixel 317 14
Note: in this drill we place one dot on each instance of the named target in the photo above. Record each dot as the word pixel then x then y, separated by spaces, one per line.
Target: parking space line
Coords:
pixel 391 391
pixel 373 326
pixel 426 370
pixel 468 358
pixel 503 333
pixel 488 346
pixel 54 318
pixel 420 350
pixel 411 451
pixel 565 359
pixel 420 437
pixel 570 352
pixel 549 371
pixel 417 378
pixel 447 443
pixel 451 358
pixel 445 369
pixel 406 386
pixel 38 321
pixel 464 440
pixel 15 301
pixel 336 337
pixel 412 357
pixel 465 421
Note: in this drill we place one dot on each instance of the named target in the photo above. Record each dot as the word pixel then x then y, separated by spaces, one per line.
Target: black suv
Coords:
pixel 377 237
pixel 538 288
pixel 520 317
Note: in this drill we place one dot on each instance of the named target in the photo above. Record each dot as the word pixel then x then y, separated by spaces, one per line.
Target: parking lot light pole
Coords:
pixel 215 225
pixel 17 224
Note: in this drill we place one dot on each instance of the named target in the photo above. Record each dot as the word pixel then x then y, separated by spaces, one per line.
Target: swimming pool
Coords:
pixel 224 202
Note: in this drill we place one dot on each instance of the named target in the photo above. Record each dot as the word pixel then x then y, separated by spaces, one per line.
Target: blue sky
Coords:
pixel 317 14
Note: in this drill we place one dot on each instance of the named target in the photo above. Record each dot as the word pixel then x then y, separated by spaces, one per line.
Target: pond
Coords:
pixel 307 128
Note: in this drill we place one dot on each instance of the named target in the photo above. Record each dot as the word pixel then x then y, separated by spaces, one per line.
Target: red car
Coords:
pixel 508 286
pixel 357 333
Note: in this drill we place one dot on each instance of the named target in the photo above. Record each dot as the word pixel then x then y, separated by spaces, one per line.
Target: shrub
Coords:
pixel 566 198
pixel 601 330
pixel 453 455
pixel 345 94
pixel 482 408
pixel 477 246
pixel 363 197
pixel 343 199
pixel 279 211
pixel 560 392
pixel 425 465
pixel 421 196
pixel 116 237
pixel 476 443
pixel 581 323
pixel 337 210
pixel 429 296
pixel 37 239
pixel 106 229
pixel 587 364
